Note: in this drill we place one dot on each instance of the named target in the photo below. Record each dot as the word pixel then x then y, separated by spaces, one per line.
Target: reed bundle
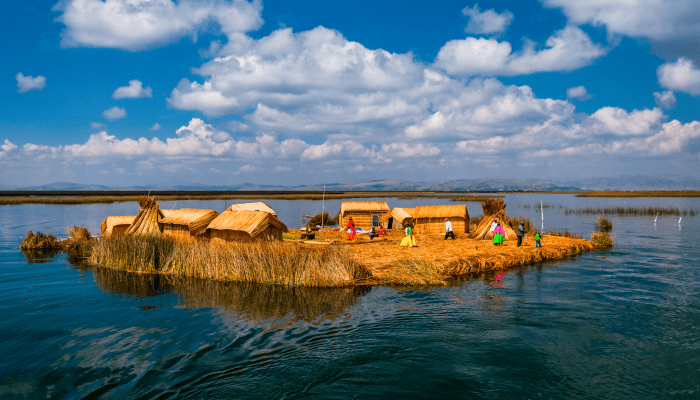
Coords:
pixel 494 209
pixel 146 221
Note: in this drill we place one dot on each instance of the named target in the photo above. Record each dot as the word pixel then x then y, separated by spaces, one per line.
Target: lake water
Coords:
pixel 617 324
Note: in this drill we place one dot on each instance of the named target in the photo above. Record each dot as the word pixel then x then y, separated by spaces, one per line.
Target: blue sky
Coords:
pixel 125 92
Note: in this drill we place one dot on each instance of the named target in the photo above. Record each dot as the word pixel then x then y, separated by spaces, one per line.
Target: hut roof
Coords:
pixel 400 214
pixel 257 206
pixel 186 216
pixel 196 220
pixel 114 220
pixel 362 206
pixel 167 212
pixel 459 210
pixel 251 222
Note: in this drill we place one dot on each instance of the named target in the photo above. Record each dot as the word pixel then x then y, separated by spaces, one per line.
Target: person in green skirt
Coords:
pixel 498 233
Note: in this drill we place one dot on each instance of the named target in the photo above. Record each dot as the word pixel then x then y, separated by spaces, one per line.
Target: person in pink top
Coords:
pixel 498 233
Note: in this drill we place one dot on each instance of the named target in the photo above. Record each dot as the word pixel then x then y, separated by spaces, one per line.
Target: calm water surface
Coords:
pixel 618 324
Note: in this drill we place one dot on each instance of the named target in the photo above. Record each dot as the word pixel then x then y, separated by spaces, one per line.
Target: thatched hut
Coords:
pixel 256 206
pixel 146 221
pixel 397 218
pixel 242 225
pixel 187 222
pixel 365 214
pixel 494 209
pixel 431 219
pixel 116 224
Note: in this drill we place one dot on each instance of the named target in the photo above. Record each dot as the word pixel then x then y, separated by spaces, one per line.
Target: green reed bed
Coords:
pixel 632 211
pixel 260 262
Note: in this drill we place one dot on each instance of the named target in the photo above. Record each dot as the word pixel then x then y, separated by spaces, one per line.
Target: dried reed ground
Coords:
pixel 380 261
pixel 435 259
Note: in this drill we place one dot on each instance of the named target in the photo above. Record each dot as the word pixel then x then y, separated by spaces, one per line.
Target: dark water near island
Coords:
pixel 623 323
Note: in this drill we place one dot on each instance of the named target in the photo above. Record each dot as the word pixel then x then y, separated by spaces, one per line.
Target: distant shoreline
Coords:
pixel 15 197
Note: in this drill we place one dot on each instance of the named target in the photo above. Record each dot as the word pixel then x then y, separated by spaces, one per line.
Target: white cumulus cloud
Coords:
pixel 135 90
pixel 681 76
pixel 656 19
pixel 665 100
pixel 578 92
pixel 141 24
pixel 114 113
pixel 486 22
pixel 27 83
pixel 566 50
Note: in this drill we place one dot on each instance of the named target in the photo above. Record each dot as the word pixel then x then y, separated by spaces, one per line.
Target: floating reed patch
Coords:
pixel 632 211
pixel 258 262
pixel 603 224
pixel 602 240
pixel 40 241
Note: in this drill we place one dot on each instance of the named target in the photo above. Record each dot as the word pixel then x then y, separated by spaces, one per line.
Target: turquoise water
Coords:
pixel 623 323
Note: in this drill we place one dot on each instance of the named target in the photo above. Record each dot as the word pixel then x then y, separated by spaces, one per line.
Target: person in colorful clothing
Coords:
pixel 409 240
pixel 498 233
pixel 538 237
pixel 351 229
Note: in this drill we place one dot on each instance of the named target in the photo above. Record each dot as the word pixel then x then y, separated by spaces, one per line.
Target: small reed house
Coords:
pixel 244 226
pixel 431 219
pixel 397 218
pixel 116 224
pixel 186 223
pixel 365 214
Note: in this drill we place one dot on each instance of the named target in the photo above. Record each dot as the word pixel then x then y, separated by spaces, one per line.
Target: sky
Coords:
pixel 222 92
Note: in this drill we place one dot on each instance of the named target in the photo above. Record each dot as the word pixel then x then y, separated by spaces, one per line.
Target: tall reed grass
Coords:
pixel 258 262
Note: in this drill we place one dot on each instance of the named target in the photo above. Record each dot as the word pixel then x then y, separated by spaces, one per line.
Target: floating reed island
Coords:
pixel 248 243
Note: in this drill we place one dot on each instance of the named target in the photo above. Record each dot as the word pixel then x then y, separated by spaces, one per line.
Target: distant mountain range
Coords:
pixel 484 184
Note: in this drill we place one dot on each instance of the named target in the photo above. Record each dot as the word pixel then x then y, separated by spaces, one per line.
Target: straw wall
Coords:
pixel 431 226
pixel 271 233
pixel 176 231
pixel 119 229
pixel 363 219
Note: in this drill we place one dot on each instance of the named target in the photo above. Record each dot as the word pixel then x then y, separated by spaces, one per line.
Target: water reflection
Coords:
pixel 254 300
pixel 40 256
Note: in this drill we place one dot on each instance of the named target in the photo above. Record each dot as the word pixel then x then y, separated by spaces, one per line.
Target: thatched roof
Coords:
pixel 196 220
pixel 166 212
pixel 251 222
pixel 362 206
pixel 400 215
pixel 459 210
pixel 257 206
pixel 113 220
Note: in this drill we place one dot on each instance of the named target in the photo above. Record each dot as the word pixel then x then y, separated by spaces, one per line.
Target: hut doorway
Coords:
pixel 375 220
